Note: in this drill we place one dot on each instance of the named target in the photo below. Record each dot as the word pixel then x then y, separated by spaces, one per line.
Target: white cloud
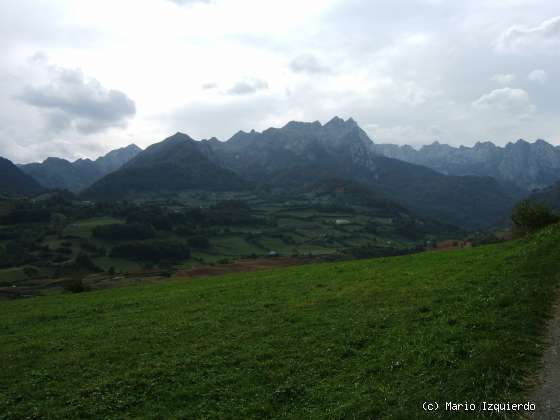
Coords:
pixel 504 79
pixel 538 76
pixel 247 87
pixel 544 37
pixel 507 100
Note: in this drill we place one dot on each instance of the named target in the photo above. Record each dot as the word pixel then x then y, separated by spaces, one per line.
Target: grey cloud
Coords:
pixel 247 87
pixel 71 100
pixel 308 63
pixel 542 38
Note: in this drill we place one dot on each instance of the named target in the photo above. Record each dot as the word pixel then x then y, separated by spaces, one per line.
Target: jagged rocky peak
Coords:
pixel 338 123
pixel 52 159
pixel 336 120
pixel 298 125
pixel 483 145
pixel 437 145
pixel 519 142
pixel 338 129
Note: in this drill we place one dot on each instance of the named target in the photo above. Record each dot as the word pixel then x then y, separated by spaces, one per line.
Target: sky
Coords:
pixel 79 78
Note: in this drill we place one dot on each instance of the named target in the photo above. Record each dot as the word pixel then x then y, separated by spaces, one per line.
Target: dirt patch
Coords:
pixel 547 392
pixel 39 287
pixel 240 266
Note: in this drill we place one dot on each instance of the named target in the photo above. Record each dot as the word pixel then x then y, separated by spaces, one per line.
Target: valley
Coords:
pixel 56 240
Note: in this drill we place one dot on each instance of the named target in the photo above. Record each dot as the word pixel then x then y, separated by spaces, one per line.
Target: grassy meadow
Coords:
pixel 361 339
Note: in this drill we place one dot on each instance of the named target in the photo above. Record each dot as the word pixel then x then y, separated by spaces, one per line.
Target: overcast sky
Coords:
pixel 78 78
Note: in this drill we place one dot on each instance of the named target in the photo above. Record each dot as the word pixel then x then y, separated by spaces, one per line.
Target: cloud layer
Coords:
pixel 408 71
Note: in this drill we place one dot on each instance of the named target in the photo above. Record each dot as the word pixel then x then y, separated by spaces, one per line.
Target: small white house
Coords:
pixel 342 221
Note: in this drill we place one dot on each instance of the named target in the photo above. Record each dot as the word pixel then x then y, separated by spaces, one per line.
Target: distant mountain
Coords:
pixel 300 154
pixel 115 159
pixel 175 164
pixel 527 165
pixel 56 173
pixel 13 181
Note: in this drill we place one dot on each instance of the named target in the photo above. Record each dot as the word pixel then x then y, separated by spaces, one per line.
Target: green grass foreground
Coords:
pixel 361 339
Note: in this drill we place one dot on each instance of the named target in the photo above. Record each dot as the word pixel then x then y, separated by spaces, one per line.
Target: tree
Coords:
pixel 530 216
pixel 85 261
pixel 199 242
pixel 75 285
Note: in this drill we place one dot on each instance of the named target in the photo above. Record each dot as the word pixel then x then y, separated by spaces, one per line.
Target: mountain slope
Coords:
pixel 56 173
pixel 357 339
pixel 526 165
pixel 301 153
pixel 13 181
pixel 175 164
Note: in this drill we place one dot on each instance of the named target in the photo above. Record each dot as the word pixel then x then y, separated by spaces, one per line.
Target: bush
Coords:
pixel 30 271
pixel 530 216
pixel 74 286
pixel 124 231
pixel 64 250
pixel 155 250
pixel 85 261
pixel 199 242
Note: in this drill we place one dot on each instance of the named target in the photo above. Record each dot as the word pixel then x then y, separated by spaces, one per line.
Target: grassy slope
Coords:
pixel 358 339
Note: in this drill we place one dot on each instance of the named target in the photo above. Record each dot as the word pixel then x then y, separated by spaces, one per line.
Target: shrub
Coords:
pixel 530 216
pixel 199 242
pixel 30 271
pixel 64 250
pixel 124 231
pixel 155 250
pixel 74 286
pixel 85 261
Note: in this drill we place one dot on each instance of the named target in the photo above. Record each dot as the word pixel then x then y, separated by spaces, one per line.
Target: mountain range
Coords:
pixel 56 173
pixel 528 166
pixel 473 187
pixel 300 154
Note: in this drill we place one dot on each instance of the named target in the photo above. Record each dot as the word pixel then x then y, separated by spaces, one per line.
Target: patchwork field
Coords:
pixel 50 243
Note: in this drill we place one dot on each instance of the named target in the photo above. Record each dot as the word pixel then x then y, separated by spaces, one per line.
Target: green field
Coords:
pixel 363 339
pixel 49 244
